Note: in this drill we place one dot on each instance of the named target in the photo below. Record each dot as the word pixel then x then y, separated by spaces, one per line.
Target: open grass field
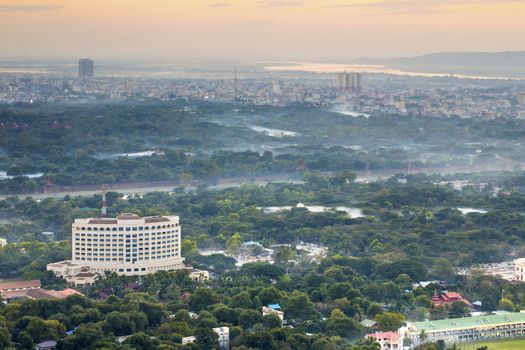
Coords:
pixel 511 344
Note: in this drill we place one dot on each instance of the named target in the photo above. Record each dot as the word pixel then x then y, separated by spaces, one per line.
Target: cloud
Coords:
pixel 30 8
pixel 283 3
pixel 258 23
pixel 220 4
pixel 415 6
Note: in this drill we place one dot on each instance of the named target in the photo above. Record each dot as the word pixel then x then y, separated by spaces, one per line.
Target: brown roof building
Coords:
pixel 19 285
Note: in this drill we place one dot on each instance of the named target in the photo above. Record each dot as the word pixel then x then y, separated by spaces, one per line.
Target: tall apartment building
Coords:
pixel 86 68
pixel 349 82
pixel 127 245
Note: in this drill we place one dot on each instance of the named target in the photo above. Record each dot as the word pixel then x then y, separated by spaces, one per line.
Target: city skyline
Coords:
pixel 257 29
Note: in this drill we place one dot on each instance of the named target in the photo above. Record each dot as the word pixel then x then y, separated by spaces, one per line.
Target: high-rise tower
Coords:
pixel 86 68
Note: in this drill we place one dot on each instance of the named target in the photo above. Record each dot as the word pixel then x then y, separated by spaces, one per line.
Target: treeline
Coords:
pixel 418 219
pixel 79 145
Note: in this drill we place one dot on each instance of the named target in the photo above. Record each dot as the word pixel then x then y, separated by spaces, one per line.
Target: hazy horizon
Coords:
pixel 256 30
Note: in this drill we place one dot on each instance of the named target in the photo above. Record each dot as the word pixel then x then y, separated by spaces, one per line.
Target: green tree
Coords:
pixel 5 338
pixel 367 344
pixel 272 321
pixel 269 295
pixel 248 318
pixel 207 339
pixel 324 344
pixel 283 254
pixel 86 336
pixel 459 309
pixel 506 304
pixel 242 300
pixel 343 290
pixel 341 325
pixel 233 245
pixel 202 298
pixel 140 341
pixel 260 340
pixel 188 247
pixel 389 321
pixel 299 306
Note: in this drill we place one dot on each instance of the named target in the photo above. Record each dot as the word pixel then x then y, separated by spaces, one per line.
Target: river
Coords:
pixel 312 67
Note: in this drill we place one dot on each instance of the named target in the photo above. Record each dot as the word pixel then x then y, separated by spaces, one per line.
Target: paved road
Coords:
pixel 140 190
pixel 236 182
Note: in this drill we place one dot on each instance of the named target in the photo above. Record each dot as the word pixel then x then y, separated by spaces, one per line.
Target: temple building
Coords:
pixel 448 298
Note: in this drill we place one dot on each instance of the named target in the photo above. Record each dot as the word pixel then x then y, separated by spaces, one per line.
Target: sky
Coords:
pixel 257 30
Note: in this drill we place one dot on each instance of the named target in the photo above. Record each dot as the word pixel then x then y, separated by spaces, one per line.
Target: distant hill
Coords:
pixel 455 59
pixel 509 64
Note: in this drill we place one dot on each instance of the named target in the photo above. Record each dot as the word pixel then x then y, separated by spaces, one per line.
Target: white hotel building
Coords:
pixel 127 245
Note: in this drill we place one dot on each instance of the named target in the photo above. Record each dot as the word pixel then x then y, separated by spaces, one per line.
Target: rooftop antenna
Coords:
pixel 104 211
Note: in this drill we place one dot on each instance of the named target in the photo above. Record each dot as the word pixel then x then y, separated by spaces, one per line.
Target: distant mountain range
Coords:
pixel 505 59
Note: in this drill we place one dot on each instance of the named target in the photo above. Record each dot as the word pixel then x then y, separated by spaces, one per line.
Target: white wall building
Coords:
pixel 519 269
pixel 269 311
pixel 188 340
pixel 127 245
pixel 224 336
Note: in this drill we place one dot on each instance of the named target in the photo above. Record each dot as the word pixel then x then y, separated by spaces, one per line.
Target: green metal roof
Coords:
pixel 470 322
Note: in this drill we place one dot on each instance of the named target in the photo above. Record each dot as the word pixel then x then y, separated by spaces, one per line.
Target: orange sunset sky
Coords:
pixel 257 29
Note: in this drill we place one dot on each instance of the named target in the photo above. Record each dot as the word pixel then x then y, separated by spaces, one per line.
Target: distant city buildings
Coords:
pixel 86 68
pixel 407 96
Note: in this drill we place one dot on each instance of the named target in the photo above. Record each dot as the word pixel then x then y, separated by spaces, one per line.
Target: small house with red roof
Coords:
pixel 387 340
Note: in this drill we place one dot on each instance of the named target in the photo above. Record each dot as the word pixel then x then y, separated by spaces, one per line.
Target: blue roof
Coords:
pixel 71 331
pixel 274 306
